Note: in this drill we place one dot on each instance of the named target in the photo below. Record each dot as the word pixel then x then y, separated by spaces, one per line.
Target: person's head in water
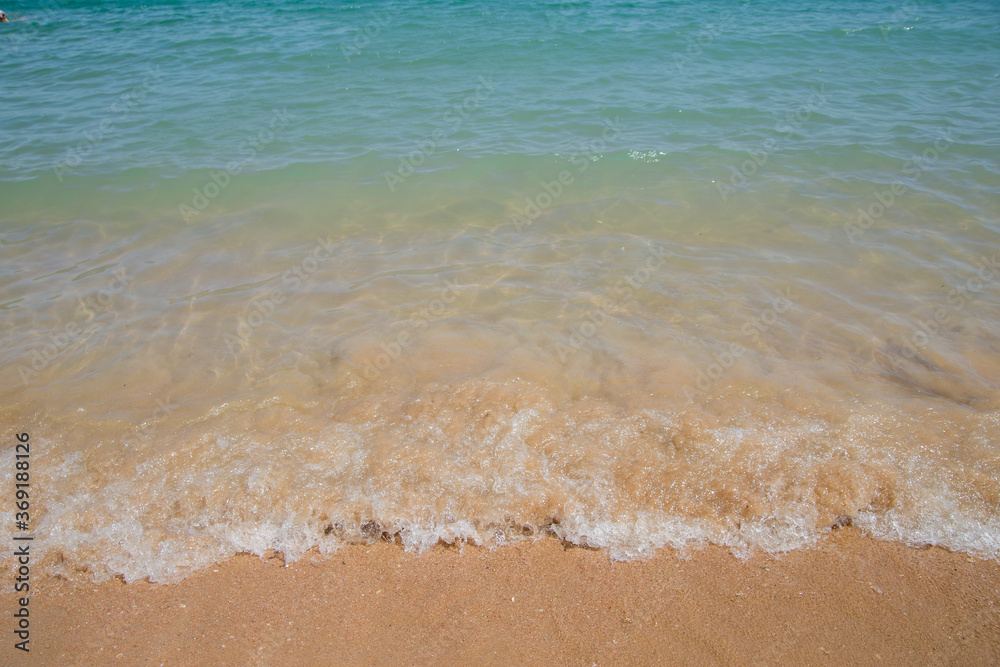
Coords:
pixel 3 17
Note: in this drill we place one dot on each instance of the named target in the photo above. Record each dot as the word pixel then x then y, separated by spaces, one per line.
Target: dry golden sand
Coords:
pixel 852 601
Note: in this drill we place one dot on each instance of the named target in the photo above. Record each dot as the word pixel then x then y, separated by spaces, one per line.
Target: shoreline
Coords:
pixel 852 599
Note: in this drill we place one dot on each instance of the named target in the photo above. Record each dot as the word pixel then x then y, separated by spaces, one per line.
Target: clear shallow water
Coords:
pixel 634 275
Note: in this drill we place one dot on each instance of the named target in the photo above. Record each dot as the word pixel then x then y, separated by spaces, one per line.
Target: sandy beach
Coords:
pixel 852 600
pixel 488 333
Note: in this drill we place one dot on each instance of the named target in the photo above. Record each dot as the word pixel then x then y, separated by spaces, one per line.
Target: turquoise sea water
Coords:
pixel 289 275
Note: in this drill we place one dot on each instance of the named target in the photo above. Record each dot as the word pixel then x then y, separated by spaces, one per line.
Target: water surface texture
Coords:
pixel 293 275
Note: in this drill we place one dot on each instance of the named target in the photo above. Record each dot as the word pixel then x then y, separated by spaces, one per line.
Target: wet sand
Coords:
pixel 852 600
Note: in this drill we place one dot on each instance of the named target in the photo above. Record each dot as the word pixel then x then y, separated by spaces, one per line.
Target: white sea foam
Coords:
pixel 589 473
